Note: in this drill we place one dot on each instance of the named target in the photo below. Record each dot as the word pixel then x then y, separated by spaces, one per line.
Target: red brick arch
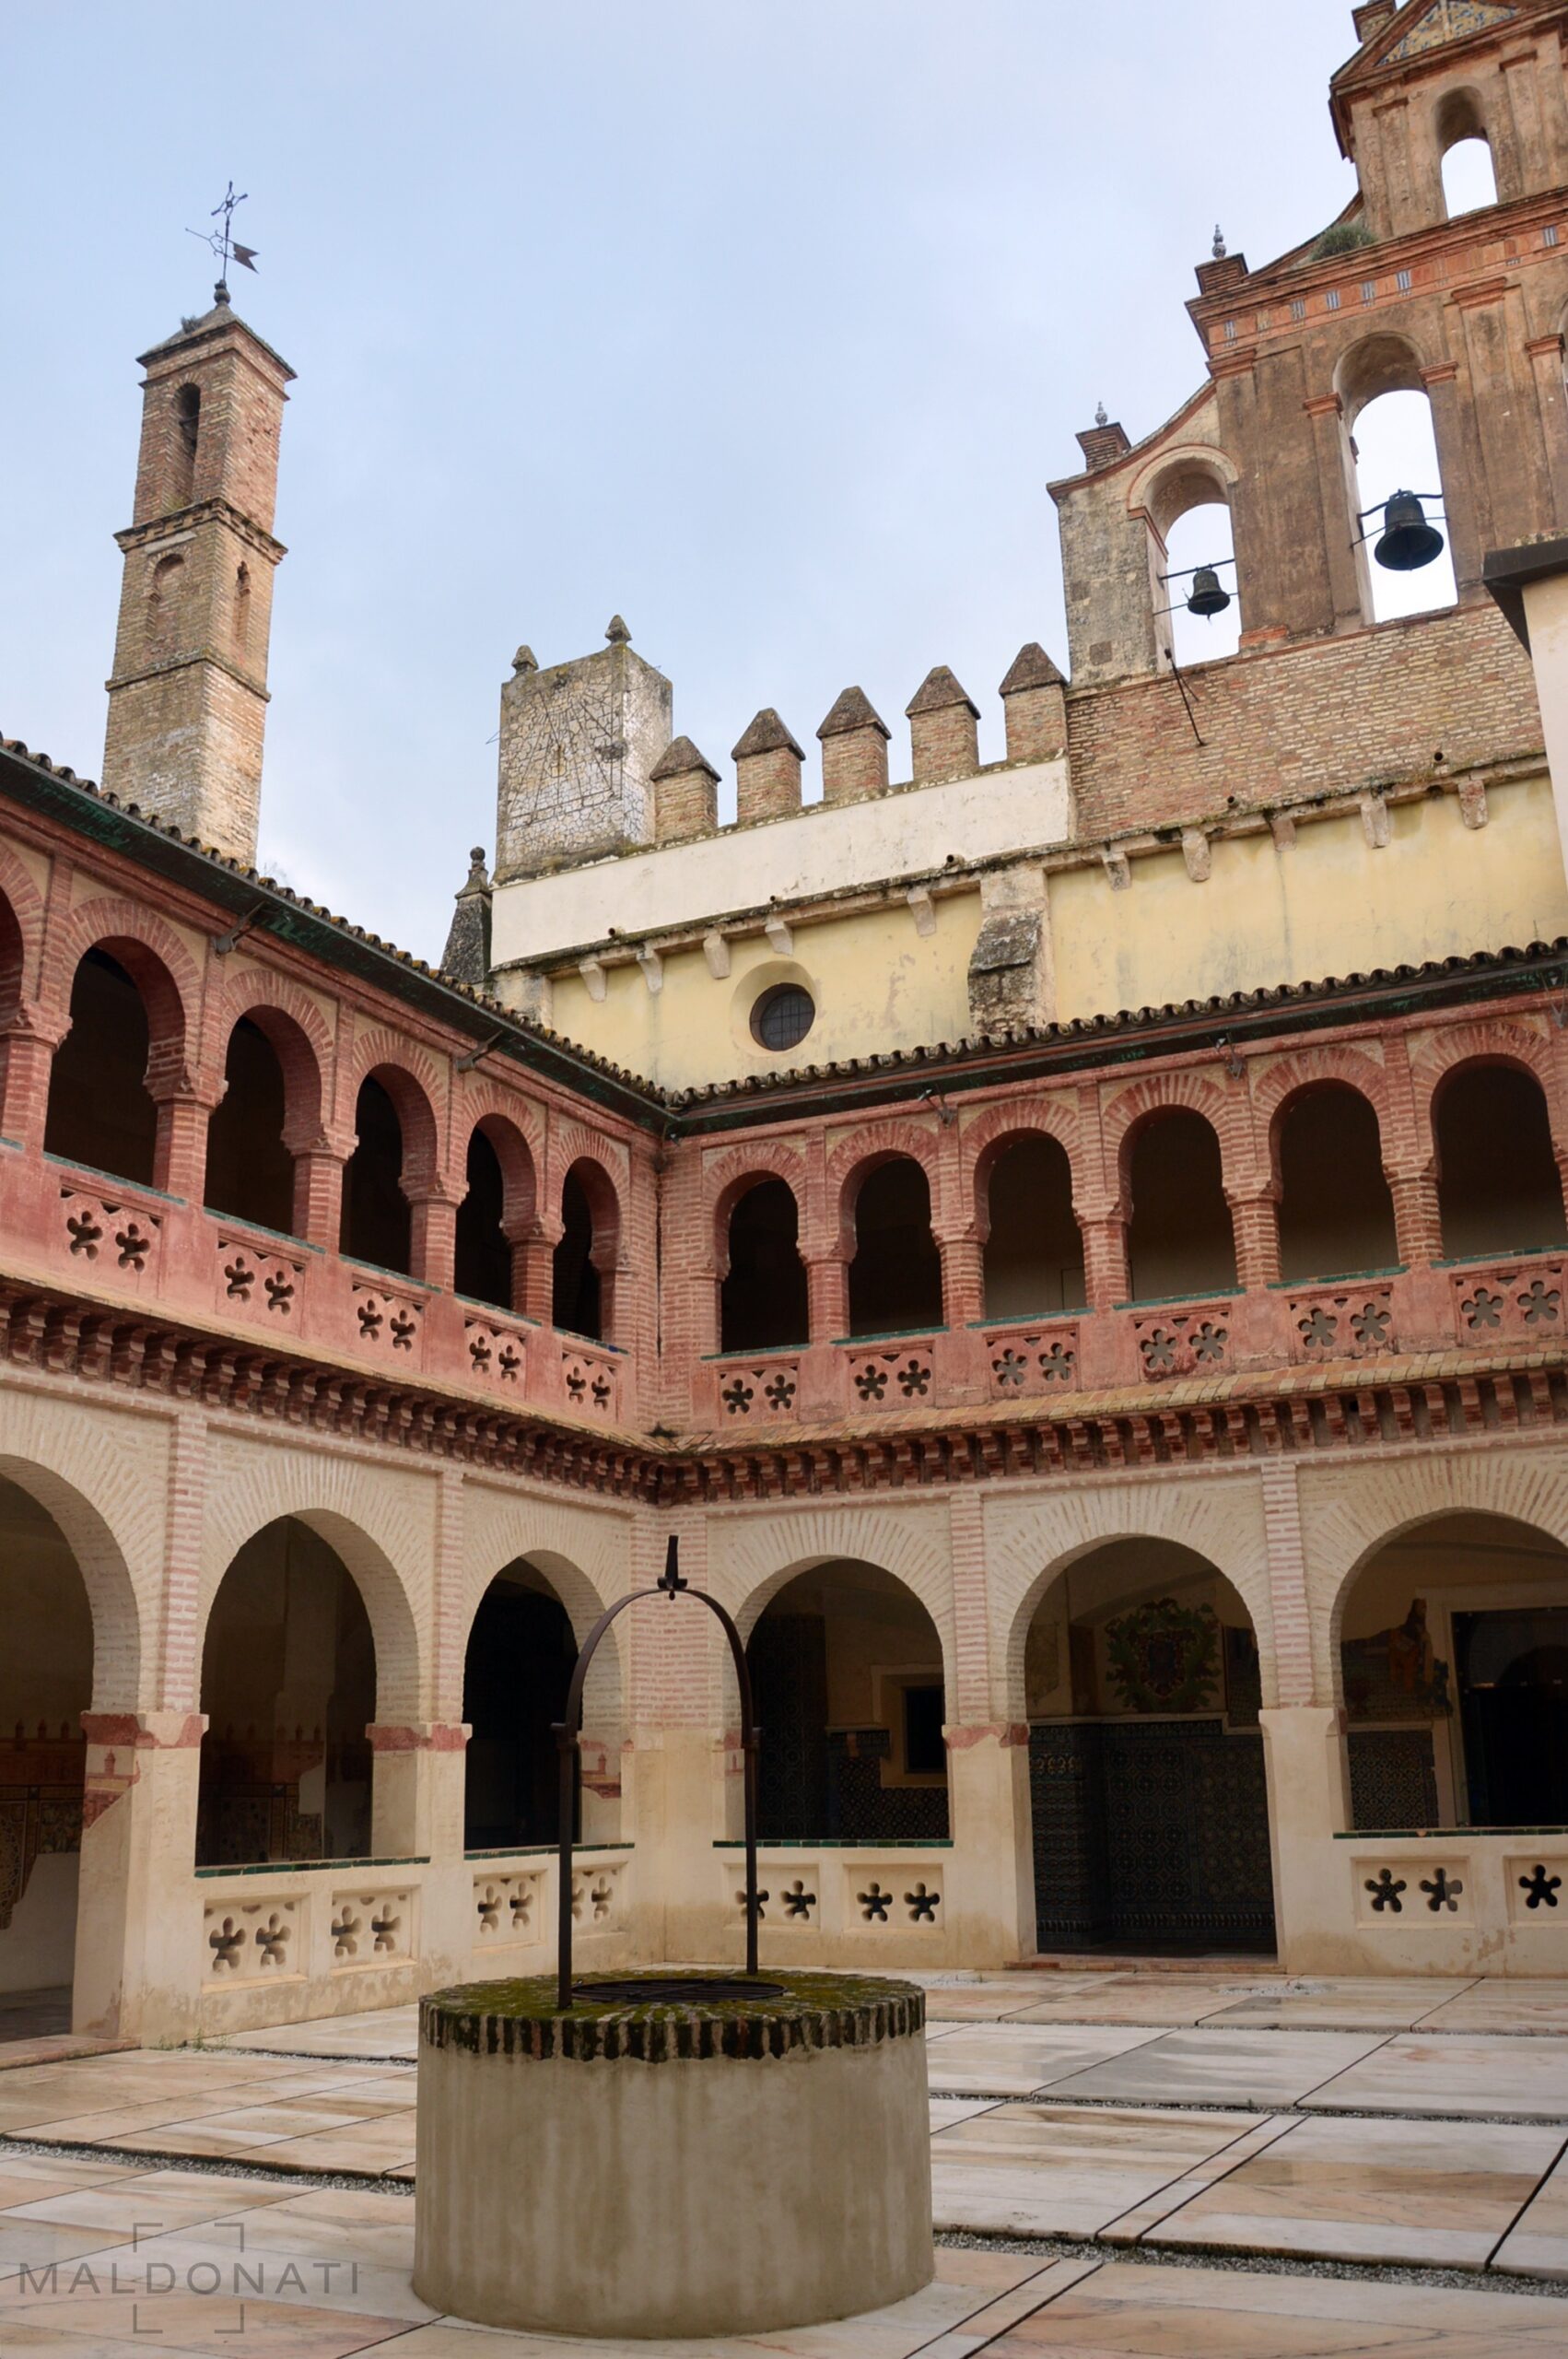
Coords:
pixel 157 961
pixel 853 1160
pixel 21 932
pixel 1226 1112
pixel 730 1176
pixel 415 1085
pixel 301 1039
pixel 517 1153
pixel 1499 1040
pixel 1276 1090
pixel 1000 1127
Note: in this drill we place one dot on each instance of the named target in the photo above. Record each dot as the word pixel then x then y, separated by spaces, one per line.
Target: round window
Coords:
pixel 783 1017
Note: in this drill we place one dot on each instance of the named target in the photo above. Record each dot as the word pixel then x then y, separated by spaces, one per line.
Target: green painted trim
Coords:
pixel 1340 1278
pixel 112 1179
pixel 892 1335
pixel 276 1867
pixel 544 1851
pixel 838 1843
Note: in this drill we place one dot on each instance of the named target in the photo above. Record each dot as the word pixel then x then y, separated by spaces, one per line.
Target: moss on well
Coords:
pixel 522 2018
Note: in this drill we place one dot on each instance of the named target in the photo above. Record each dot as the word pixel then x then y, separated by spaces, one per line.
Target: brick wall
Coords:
pixel 1366 710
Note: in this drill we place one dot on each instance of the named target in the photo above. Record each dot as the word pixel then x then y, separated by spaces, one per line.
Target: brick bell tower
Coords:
pixel 187 702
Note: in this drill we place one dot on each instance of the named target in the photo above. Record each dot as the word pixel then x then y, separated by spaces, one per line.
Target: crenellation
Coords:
pixel 767 770
pixel 854 748
pixel 686 801
pixel 944 728
pixel 1034 699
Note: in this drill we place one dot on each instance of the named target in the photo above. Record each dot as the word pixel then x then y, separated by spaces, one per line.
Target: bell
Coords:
pixel 1208 597
pixel 1408 540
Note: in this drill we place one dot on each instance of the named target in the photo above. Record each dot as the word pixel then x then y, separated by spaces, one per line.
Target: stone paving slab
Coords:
pixel 1160 2001
pixel 1538 2245
pixel 1252 2069
pixel 1396 2004
pixel 1416 2074
pixel 1006 2060
pixel 1373 2191
pixel 1506 2004
pixel 1138 2311
pixel 1048 2171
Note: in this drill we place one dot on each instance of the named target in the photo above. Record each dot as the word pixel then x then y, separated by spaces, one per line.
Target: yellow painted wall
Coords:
pixel 877 985
pixel 1327 904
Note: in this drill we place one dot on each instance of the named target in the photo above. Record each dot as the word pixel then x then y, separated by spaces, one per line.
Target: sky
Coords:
pixel 763 324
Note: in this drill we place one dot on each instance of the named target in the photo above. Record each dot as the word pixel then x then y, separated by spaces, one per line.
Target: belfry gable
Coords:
pixel 1392 35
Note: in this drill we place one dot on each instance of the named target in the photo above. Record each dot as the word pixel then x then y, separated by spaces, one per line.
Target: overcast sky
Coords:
pixel 762 321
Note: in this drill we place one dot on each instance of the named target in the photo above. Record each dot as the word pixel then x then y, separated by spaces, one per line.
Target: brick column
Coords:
pixel 1418 1219
pixel 962 1280
pixel 320 1156
pixel 179 1155
pixel 827 1296
pixel 433 1239
pixel 1107 1277
pixel 534 1272
pixel 1255 1227
pixel 28 1042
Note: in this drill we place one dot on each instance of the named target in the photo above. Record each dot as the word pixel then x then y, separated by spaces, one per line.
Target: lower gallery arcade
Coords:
pixel 276 1721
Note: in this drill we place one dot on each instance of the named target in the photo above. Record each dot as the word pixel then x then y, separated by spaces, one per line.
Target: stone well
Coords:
pixel 701 2164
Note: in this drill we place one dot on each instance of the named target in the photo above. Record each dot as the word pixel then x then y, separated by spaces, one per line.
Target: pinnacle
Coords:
pixel 679 759
pixel 616 632
pixel 937 692
pixel 766 734
pixel 854 710
pixel 525 660
pixel 1031 668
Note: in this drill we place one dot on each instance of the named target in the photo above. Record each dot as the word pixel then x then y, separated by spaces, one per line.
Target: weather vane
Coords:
pixel 224 243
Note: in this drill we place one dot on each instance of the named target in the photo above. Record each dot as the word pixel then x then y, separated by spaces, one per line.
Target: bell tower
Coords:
pixel 187 701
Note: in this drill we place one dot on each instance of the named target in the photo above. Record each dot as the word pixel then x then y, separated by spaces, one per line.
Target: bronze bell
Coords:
pixel 1208 598
pixel 1409 541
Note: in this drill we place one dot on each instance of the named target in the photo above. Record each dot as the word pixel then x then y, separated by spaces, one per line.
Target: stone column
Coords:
pixel 139 1962
pixel 991 1893
pixel 416 1801
pixel 1304 1753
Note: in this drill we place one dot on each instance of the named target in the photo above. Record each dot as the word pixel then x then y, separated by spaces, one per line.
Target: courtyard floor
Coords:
pixel 1241 2167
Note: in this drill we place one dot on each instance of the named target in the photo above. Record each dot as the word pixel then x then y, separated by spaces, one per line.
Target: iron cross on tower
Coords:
pixel 224 243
